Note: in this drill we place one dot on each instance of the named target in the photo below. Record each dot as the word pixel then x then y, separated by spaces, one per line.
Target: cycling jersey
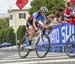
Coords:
pixel 39 18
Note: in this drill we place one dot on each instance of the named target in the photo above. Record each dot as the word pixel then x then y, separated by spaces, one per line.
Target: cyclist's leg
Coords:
pixel 31 32
pixel 49 30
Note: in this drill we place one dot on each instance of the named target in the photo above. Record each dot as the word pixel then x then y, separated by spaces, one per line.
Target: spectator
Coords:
pixel 70 12
pixel 60 15
pixel 51 20
pixel 67 11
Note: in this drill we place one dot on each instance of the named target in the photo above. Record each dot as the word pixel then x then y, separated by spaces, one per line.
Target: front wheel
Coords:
pixel 23 52
pixel 42 46
pixel 70 46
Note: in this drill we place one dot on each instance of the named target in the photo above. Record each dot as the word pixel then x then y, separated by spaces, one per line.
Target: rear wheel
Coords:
pixel 42 46
pixel 23 52
pixel 70 46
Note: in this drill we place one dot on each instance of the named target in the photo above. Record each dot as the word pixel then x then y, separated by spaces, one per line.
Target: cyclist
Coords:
pixel 70 12
pixel 40 17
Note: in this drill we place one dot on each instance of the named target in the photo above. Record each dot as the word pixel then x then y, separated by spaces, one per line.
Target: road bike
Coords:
pixel 40 44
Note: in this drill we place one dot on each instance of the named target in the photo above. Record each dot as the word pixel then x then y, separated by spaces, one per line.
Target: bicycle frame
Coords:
pixel 35 40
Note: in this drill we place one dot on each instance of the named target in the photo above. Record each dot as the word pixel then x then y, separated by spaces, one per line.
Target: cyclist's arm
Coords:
pixel 34 24
pixel 45 25
pixel 45 22
pixel 54 24
pixel 68 20
pixel 67 17
pixel 34 20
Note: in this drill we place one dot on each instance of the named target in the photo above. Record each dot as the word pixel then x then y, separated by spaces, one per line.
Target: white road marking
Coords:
pixel 32 59
pixel 45 61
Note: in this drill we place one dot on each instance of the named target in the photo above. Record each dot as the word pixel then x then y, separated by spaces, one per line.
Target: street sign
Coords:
pixel 21 3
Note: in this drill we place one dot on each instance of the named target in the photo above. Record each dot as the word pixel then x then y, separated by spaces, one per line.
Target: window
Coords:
pixel 11 17
pixel 22 15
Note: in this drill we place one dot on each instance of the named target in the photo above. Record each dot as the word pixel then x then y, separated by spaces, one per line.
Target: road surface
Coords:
pixel 10 56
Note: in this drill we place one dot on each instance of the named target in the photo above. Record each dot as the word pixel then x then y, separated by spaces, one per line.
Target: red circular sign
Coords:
pixel 21 3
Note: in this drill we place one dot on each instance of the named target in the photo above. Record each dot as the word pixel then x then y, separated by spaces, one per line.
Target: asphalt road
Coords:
pixel 10 56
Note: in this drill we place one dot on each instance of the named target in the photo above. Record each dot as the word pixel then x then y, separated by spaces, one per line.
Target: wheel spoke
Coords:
pixel 70 46
pixel 23 52
pixel 42 46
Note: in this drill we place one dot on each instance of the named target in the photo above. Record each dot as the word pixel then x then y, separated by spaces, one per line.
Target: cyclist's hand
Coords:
pixel 41 23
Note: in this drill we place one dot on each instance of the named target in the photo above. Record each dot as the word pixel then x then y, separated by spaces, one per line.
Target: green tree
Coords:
pixel 7 35
pixel 20 32
pixel 52 5
pixel 3 33
pixel 10 36
pixel 4 23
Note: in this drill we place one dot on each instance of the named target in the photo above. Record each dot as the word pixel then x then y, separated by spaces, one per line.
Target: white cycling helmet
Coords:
pixel 44 9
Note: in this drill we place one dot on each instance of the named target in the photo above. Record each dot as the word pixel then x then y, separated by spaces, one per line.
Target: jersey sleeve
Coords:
pixel 35 16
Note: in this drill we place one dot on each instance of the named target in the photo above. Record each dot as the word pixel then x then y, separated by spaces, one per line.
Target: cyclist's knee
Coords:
pixel 31 29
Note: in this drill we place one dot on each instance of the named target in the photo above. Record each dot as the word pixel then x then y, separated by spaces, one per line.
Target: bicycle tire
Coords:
pixel 67 47
pixel 19 50
pixel 47 46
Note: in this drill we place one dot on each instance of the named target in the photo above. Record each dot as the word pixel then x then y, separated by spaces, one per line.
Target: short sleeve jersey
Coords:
pixel 38 17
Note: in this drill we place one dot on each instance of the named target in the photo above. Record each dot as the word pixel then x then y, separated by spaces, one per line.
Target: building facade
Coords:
pixel 18 17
